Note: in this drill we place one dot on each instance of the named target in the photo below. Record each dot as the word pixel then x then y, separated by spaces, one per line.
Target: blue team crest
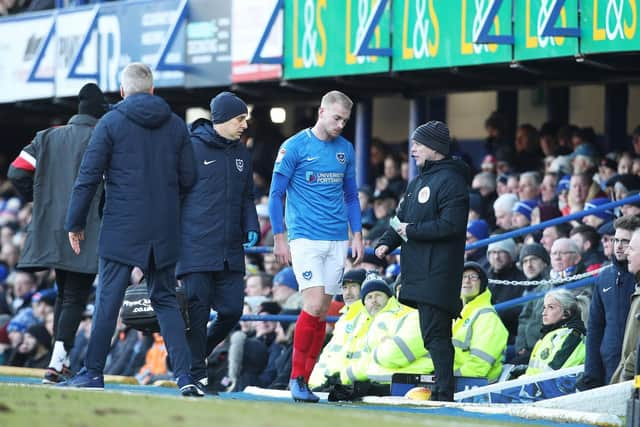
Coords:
pixel 340 157
pixel 239 164
pixel 311 177
pixel 307 275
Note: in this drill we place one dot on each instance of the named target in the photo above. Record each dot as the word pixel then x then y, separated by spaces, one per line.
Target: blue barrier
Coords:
pixel 482 243
pixel 499 307
pixel 279 317
pixel 526 230
pixel 515 233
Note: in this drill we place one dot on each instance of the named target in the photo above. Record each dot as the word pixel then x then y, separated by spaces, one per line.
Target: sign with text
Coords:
pixel 323 37
pixel 538 36
pixel 27 65
pixel 248 31
pixel 208 45
pixel 434 34
pixel 45 55
pixel 609 25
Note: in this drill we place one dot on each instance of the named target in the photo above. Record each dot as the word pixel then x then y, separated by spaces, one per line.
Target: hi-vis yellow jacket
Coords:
pixel 548 346
pixel 479 340
pixel 353 322
pixel 393 343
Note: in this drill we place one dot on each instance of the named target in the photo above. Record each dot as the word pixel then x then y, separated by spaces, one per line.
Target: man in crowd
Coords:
pixel 535 261
pixel 609 309
pixel 502 260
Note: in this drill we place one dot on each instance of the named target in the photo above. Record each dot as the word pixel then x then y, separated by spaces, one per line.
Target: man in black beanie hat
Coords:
pixel 431 228
pixel 45 171
pixel 218 218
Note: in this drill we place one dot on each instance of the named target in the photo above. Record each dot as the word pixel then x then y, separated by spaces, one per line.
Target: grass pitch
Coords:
pixel 38 406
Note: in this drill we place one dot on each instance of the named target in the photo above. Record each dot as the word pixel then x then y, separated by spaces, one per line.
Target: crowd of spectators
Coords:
pixel 547 173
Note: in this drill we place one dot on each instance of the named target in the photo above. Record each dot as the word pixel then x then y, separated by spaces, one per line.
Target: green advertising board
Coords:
pixel 609 25
pixel 531 17
pixel 322 37
pixel 436 33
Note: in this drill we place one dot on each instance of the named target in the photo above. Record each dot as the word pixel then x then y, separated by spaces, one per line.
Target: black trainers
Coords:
pixel 203 385
pixel 53 376
pixel 188 388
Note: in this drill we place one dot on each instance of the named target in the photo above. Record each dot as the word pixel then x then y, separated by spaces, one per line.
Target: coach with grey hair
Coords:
pixel 143 152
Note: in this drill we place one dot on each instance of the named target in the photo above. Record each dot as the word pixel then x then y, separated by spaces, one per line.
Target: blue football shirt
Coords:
pixel 315 206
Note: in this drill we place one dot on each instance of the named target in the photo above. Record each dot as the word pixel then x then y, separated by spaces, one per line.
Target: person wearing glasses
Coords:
pixel 479 336
pixel 565 259
pixel 609 309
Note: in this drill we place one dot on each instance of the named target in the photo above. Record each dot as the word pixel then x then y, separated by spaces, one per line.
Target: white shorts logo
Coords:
pixel 423 194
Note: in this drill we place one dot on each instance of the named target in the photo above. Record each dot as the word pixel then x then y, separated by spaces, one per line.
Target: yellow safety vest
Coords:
pixel 382 325
pixel 401 351
pixel 353 322
pixel 546 348
pixel 479 340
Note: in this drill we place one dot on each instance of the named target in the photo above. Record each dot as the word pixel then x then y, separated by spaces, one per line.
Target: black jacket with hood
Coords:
pixel 142 149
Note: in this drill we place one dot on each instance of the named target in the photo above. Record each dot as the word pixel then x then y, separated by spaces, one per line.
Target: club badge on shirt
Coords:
pixel 424 194
pixel 340 157
pixel 240 165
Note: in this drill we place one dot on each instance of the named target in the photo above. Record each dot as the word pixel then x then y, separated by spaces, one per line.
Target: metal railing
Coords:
pixel 582 282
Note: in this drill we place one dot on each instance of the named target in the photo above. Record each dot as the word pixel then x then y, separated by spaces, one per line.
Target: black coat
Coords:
pixel 56 153
pixel 219 209
pixel 502 293
pixel 436 206
pixel 142 149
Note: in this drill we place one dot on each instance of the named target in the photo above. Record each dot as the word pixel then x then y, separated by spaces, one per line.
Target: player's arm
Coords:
pixel 279 183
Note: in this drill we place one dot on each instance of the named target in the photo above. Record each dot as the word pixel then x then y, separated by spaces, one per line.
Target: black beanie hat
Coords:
pixel 357 275
pixel 375 283
pixel 91 101
pixel 484 280
pixel 535 249
pixel 225 106
pixel 433 134
pixel 40 333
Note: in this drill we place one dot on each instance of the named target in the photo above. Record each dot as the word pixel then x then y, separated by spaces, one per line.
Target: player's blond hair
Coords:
pixel 336 97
